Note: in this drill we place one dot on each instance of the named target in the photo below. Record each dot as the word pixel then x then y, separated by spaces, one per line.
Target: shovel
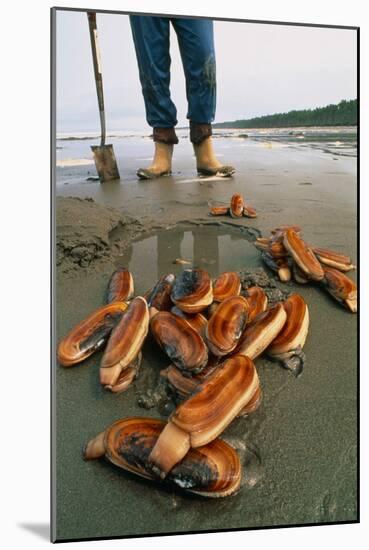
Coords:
pixel 104 157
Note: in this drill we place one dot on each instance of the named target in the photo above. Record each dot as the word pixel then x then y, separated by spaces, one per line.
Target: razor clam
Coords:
pixel 205 415
pixel 249 211
pixel 341 287
pixel 192 290
pixel 257 300
pixel 259 334
pixel 298 275
pixel 279 265
pixel 287 346
pixel 184 386
pixel 333 259
pixel 226 325
pixel 213 470
pixel 127 376
pixel 90 334
pixel 303 255
pixel 196 320
pixel 159 296
pixel 125 342
pixel 182 343
pixel 219 210
pixel 226 285
pixel 120 287
pixel 236 207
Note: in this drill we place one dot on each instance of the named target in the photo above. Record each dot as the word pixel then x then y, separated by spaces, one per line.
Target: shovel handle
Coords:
pixel 97 71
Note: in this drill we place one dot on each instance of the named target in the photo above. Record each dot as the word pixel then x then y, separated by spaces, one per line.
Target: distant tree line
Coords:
pixel 342 114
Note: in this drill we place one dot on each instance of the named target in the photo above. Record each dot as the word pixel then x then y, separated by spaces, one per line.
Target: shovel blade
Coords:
pixel 105 162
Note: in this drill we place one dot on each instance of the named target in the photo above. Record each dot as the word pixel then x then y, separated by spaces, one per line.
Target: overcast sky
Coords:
pixel 261 69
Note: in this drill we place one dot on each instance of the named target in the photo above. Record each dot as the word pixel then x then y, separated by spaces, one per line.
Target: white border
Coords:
pixel 25 271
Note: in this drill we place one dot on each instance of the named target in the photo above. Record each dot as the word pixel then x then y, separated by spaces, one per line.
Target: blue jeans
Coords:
pixel 196 45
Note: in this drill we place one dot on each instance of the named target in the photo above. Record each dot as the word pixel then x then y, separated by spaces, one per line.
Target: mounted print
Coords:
pixel 204 207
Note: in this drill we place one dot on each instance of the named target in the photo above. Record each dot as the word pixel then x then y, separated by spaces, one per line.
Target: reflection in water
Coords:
pixel 211 248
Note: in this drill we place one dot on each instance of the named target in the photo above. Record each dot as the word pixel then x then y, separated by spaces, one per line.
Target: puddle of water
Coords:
pixel 211 248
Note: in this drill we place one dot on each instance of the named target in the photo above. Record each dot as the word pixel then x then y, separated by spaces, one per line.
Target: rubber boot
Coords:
pixel 207 163
pixel 161 164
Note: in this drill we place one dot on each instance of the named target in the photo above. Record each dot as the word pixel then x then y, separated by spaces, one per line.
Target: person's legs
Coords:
pixel 151 40
pixel 196 44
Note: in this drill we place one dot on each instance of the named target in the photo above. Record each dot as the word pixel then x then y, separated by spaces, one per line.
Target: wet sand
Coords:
pixel 300 454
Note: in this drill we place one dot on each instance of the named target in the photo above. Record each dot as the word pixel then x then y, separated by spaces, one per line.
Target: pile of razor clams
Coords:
pixel 286 253
pixel 211 335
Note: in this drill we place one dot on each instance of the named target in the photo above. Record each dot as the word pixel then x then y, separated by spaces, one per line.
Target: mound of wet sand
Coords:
pixel 88 233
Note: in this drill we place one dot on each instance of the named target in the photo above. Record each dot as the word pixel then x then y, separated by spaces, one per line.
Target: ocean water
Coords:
pixel 74 160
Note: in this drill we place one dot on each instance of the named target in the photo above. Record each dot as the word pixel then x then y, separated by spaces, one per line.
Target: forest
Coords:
pixel 342 114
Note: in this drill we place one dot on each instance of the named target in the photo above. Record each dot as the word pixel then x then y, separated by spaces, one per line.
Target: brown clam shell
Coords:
pixel 120 287
pixel 127 376
pixel 196 320
pixel 204 416
pixel 262 331
pixel 125 341
pixel 159 296
pixel 213 470
pixel 279 265
pixel 226 285
pixel 183 344
pixel 333 259
pixel 90 334
pixel 299 276
pixel 226 325
pixel 249 211
pixel 283 228
pixel 236 207
pixel 295 329
pixel 185 385
pixel 341 287
pixel 262 243
pixel 303 255
pixel 192 290
pixel 219 210
pixel 257 300
pixel 277 250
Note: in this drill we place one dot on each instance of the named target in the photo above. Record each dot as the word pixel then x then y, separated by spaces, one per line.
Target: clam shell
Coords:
pixel 226 325
pixel 192 290
pixel 283 228
pixel 219 210
pixel 120 287
pixel 277 250
pixel 279 265
pixel 257 301
pixel 159 296
pixel 226 285
pixel 262 331
pixel 298 275
pixel 125 342
pixel 341 287
pixel 262 243
pixel 185 385
pixel 127 376
pixel 333 259
pixel 213 470
pixel 90 334
pixel 237 205
pixel 183 344
pixel 253 404
pixel 295 329
pixel 196 320
pixel 202 417
pixel 217 401
pixel 249 211
pixel 303 255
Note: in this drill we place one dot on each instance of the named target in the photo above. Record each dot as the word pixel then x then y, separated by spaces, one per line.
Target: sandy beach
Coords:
pixel 300 447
